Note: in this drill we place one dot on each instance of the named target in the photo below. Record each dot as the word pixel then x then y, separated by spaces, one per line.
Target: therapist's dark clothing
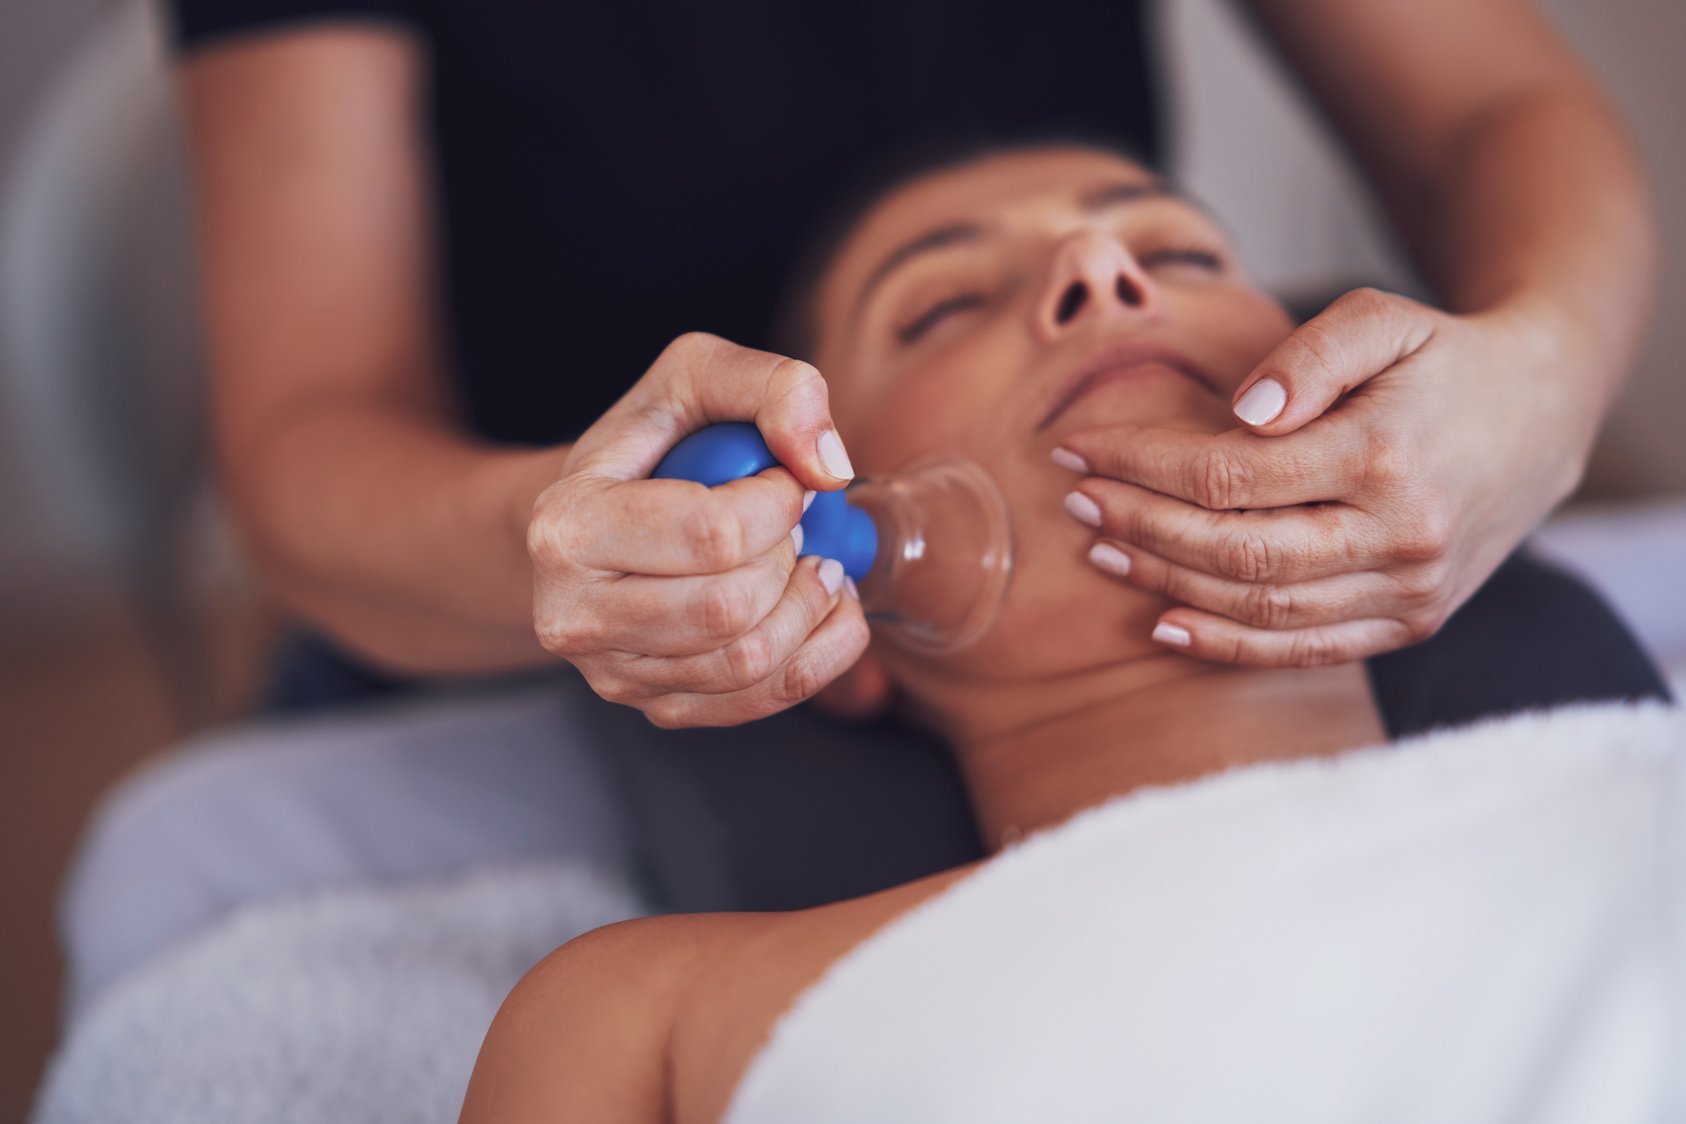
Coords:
pixel 616 174
pixel 613 175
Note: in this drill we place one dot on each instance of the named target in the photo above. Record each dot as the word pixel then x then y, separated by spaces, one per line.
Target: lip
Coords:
pixel 1116 360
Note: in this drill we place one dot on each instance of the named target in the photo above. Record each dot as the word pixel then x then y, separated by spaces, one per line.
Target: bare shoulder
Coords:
pixel 761 964
pixel 584 1035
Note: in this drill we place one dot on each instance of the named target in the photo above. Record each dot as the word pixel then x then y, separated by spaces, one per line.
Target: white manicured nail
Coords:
pixel 1065 458
pixel 1083 509
pixel 807 501
pixel 1107 557
pixel 1167 633
pixel 849 584
pixel 831 576
pixel 1262 402
pixel 836 461
pixel 796 538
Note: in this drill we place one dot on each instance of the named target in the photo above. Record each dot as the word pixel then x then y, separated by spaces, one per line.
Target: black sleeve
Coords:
pixel 196 22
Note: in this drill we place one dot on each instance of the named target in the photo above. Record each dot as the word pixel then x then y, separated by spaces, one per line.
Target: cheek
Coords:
pixel 1251 327
pixel 945 406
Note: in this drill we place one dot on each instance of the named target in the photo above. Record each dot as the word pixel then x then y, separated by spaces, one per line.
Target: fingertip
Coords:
pixel 1172 635
pixel 833 457
pixel 831 575
pixel 1262 403
pixel 1068 459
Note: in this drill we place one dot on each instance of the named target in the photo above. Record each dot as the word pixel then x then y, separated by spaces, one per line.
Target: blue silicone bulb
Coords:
pixel 733 450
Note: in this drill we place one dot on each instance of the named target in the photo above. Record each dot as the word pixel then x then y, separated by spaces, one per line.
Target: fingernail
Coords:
pixel 831 576
pixel 1083 509
pixel 836 461
pixel 1262 402
pixel 849 584
pixel 1109 558
pixel 807 501
pixel 797 537
pixel 1167 633
pixel 1065 458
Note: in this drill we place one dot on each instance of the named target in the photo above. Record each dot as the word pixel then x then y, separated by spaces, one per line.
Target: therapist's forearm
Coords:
pixel 1537 204
pixel 396 536
pixel 1503 165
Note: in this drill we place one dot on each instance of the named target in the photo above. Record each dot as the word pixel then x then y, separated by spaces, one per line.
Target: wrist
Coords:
pixel 530 472
pixel 1565 378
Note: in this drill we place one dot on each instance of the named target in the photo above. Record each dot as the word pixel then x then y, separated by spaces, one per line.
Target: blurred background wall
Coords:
pixel 37 37
pixel 83 692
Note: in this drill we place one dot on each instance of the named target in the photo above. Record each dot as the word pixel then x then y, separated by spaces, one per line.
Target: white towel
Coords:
pixel 354 1007
pixel 1481 925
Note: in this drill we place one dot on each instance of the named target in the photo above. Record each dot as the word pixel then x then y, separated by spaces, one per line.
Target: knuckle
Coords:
pixel 691 345
pixel 549 532
pixel 561 634
pixel 1247 557
pixel 1269 606
pixel 715 538
pixel 1422 625
pixel 1389 463
pixel 802 679
pixel 1426 585
pixel 723 611
pixel 668 712
pixel 1321 348
pixel 1221 481
pixel 790 373
pixel 751 658
pixel 1366 300
pixel 614 688
pixel 1426 538
pixel 1313 649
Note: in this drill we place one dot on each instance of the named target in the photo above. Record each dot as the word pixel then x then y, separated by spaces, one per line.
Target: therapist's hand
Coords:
pixel 1401 454
pixel 689 602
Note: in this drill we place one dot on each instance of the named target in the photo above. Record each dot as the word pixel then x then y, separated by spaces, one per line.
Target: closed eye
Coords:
pixel 960 302
pixel 1182 255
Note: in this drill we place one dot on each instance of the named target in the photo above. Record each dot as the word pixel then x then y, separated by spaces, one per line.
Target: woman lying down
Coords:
pixel 1484 926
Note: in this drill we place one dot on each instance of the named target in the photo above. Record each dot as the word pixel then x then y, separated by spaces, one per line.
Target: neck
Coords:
pixel 1036 760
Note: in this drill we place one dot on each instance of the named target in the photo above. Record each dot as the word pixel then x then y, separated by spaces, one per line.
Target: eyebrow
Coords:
pixel 1101 198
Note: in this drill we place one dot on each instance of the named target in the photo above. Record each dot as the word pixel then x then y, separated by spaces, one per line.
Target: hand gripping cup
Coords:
pixel 929 546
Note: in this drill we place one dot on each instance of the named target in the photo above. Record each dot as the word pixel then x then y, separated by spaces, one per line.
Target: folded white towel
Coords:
pixel 355 1006
pixel 1481 925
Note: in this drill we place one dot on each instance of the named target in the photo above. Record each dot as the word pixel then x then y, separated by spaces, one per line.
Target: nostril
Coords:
pixel 1129 292
pixel 1070 302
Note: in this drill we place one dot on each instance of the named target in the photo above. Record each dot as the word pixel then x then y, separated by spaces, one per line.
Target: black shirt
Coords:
pixel 616 174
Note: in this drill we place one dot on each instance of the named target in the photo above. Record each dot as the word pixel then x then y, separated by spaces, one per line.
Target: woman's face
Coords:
pixel 989 309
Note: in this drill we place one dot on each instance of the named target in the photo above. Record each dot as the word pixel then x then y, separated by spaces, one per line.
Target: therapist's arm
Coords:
pixel 376 517
pixel 1500 161
pixel 361 502
pixel 1519 194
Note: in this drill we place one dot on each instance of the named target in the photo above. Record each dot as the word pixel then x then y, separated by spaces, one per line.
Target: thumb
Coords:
pixel 700 379
pixel 794 417
pixel 1360 335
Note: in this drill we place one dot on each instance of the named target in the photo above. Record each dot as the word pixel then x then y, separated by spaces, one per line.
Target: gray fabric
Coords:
pixel 418 790
pixel 790 812
pixel 357 1006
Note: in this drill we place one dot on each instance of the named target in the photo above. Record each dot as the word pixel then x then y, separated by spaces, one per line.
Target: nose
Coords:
pixel 1092 274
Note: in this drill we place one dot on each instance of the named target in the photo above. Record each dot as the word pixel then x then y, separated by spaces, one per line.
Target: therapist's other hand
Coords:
pixel 689 602
pixel 1392 456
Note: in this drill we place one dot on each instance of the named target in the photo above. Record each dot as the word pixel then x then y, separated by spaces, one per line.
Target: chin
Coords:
pixel 1061 617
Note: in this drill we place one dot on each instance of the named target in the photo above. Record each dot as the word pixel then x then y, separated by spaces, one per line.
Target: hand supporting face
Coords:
pixel 689 602
pixel 1392 456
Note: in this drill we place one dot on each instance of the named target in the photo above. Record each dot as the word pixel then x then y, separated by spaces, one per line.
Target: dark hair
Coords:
pixel 793 328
